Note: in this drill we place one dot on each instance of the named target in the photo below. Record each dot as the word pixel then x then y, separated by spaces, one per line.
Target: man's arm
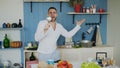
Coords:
pixel 41 31
pixel 69 34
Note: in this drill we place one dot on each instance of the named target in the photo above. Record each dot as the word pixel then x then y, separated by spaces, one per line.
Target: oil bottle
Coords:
pixel 6 42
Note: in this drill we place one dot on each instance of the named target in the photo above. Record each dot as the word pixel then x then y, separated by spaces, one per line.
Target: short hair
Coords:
pixel 52 8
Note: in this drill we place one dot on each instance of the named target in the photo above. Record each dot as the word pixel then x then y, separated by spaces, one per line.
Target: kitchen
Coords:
pixel 15 10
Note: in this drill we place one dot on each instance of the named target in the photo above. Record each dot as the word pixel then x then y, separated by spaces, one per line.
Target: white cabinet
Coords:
pixel 27 54
pixel 82 54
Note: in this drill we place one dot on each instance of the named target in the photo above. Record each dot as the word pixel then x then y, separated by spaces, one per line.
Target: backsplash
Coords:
pixel 39 12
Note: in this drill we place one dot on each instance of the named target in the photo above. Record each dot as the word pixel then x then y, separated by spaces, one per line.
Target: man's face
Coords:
pixel 52 13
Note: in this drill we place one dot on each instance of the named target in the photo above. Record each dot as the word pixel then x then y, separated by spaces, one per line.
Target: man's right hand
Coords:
pixel 47 26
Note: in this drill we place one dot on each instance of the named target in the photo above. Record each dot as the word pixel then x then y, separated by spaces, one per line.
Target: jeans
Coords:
pixel 45 57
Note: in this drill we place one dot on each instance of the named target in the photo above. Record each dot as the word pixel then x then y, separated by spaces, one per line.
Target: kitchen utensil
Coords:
pixel 86 43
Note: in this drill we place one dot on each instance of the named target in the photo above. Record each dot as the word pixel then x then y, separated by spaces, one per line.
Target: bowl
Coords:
pixel 86 43
pixel 16 44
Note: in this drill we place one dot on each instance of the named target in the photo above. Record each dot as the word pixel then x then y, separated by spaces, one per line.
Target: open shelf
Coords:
pixel 46 0
pixel 97 13
pixel 9 48
pixel 88 13
pixel 11 28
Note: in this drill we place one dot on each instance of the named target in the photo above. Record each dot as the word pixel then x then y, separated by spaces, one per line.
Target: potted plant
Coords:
pixel 77 4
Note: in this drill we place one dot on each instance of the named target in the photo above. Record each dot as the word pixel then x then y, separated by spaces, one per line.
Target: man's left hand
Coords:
pixel 80 22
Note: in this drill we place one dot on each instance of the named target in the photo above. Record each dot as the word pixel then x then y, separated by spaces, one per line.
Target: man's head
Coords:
pixel 52 12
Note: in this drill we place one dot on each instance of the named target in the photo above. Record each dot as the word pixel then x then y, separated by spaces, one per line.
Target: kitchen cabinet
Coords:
pixel 82 54
pixel 27 54
pixel 76 54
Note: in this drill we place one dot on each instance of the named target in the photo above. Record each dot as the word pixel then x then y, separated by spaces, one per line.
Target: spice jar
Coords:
pixel 8 25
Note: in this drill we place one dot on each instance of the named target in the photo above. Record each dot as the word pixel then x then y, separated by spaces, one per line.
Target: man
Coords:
pixel 47 34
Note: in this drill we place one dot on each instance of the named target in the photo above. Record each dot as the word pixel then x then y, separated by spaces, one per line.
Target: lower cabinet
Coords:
pixel 82 54
pixel 72 54
pixel 27 62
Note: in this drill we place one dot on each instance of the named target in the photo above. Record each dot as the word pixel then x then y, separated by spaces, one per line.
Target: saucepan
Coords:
pixel 86 43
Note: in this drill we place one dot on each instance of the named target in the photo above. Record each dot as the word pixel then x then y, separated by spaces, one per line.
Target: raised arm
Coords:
pixel 69 34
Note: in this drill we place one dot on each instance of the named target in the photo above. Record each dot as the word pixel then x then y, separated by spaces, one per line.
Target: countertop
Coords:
pixel 64 47
pixel 98 46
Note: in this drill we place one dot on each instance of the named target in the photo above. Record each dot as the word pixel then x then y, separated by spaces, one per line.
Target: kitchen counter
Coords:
pixel 66 47
pixel 77 54
pixel 81 54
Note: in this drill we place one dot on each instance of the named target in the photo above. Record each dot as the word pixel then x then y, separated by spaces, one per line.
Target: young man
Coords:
pixel 47 34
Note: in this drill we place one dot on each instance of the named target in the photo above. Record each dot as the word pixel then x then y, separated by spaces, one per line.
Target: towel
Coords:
pixel 98 36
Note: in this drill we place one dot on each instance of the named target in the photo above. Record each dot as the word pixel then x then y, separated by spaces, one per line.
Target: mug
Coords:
pixel 50 61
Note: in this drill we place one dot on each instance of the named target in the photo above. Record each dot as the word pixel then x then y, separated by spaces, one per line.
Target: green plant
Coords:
pixel 74 2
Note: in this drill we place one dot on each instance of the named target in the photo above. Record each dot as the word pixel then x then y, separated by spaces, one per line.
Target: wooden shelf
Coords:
pixel 88 13
pixel 46 0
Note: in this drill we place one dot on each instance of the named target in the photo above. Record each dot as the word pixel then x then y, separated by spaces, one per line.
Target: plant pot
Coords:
pixel 77 8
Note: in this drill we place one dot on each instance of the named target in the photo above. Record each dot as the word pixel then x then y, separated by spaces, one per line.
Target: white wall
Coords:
pixel 14 55
pixel 10 12
pixel 113 24
pixel 113 27
pixel 117 54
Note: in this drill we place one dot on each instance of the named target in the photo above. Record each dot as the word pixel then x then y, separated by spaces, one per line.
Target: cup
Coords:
pixel 50 61
pixel 94 10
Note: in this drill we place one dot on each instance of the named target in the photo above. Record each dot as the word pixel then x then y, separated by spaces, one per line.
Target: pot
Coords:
pixel 17 65
pixel 86 43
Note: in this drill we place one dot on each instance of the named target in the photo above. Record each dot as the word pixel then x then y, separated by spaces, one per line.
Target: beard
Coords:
pixel 53 19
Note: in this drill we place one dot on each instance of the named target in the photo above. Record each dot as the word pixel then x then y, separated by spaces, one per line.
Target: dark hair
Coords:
pixel 52 8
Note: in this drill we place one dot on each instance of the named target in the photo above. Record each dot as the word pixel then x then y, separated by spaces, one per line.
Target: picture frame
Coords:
pixel 101 55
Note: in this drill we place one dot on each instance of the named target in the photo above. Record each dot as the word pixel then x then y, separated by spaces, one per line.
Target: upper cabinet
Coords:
pixel 46 0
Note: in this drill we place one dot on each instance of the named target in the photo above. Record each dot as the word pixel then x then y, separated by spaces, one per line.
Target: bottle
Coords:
pixel 32 57
pixel 20 24
pixel 4 25
pixel 6 42
pixel 84 10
